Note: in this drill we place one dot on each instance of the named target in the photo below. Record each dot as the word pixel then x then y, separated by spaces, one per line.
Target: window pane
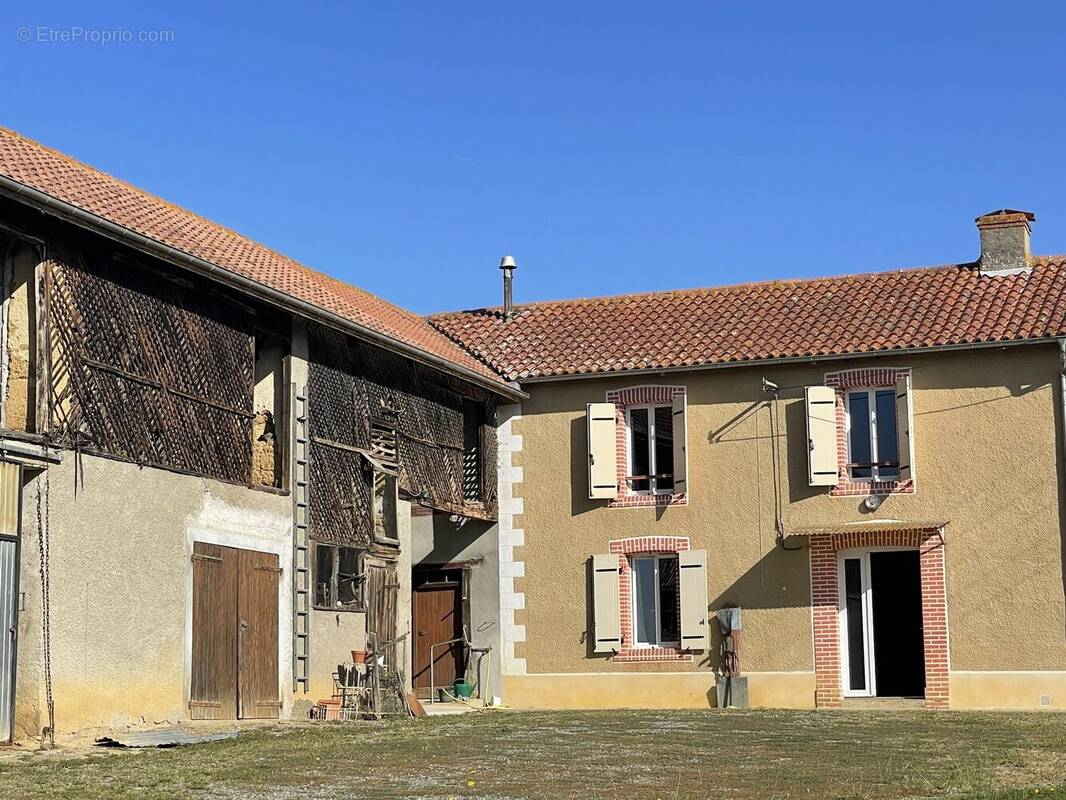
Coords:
pixel 644 599
pixel 347 571
pixel 639 463
pixel 856 639
pixel 664 447
pixel 887 444
pixel 669 616
pixel 323 575
pixel 859 411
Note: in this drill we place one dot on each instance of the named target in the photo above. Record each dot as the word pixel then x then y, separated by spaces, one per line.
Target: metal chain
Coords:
pixel 46 624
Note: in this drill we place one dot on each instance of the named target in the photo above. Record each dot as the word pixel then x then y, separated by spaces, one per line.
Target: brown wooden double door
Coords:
pixel 234 633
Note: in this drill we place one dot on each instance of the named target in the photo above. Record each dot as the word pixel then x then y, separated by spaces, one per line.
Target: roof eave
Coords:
pixel 76 215
pixel 790 360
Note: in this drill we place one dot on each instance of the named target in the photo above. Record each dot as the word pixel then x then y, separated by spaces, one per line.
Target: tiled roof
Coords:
pixel 32 164
pixel 874 312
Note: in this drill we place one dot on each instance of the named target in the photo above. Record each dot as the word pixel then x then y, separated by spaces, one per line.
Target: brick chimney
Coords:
pixel 1005 241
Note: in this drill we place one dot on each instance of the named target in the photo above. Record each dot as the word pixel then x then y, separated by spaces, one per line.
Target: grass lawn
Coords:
pixel 653 754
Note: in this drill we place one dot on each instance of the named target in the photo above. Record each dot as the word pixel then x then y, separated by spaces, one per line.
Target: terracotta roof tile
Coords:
pixel 880 311
pixel 32 164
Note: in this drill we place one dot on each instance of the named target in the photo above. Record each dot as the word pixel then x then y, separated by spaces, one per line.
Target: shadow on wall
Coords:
pixel 780 579
pixel 770 425
pixel 450 539
pixel 588 636
pixel 579 471
pixel 795 454
pixel 1056 402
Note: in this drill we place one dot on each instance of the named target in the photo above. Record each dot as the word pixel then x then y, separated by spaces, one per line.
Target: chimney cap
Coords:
pixel 508 262
pixel 1005 216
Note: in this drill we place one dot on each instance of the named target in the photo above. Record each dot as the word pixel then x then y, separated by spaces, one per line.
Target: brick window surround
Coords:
pixel 860 379
pixel 623 399
pixel 625 548
pixel 824 599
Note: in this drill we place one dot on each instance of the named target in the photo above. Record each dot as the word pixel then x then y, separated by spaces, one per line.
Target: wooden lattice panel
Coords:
pixel 147 368
pixel 353 387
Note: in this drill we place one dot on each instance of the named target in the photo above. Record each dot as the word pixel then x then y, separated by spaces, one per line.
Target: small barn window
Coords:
pixel 473 417
pixel 337 577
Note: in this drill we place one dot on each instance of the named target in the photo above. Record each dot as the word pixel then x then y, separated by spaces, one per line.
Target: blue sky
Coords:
pixel 611 147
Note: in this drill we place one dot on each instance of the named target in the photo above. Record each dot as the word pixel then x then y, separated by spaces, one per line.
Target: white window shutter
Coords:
pixel 904 428
pixel 606 611
pixel 695 631
pixel 680 446
pixel 603 466
pixel 823 468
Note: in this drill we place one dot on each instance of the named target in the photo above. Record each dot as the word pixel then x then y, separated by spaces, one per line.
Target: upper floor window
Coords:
pixel 651 449
pixel 873 436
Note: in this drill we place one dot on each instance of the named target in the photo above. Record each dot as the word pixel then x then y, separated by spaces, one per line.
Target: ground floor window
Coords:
pixel 337 577
pixel 656 601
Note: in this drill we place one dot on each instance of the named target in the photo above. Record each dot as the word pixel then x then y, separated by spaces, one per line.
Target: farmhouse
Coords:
pixel 868 467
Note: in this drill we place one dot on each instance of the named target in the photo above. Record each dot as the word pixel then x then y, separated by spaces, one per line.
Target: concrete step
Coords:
pixel 882 703
pixel 445 709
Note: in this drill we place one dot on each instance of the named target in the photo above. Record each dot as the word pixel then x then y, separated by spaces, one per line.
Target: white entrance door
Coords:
pixel 855 610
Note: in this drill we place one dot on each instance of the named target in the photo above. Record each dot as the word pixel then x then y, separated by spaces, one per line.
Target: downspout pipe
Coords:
pixel 68 212
pixel 1062 401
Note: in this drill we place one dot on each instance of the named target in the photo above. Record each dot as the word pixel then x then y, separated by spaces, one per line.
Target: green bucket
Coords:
pixel 463 689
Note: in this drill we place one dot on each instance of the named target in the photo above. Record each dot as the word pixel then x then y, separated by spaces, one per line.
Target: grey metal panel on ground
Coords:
pixel 8 619
pixel 165 737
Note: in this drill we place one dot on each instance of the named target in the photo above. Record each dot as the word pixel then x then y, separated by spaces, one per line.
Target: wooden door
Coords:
pixel 437 616
pixel 381 590
pixel 214 632
pixel 234 634
pixel 257 636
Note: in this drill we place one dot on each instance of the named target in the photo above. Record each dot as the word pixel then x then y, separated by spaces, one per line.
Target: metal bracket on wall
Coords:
pixel 301 542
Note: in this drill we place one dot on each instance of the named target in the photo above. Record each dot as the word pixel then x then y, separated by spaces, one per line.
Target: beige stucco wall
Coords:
pixel 437 541
pixel 652 690
pixel 986 459
pixel 120 571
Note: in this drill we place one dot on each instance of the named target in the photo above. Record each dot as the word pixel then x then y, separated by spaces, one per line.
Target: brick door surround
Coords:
pixel 824 600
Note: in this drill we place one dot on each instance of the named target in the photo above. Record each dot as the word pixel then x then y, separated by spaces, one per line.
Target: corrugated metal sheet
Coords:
pixel 164 737
pixel 873 526
pixel 10 483
pixel 8 612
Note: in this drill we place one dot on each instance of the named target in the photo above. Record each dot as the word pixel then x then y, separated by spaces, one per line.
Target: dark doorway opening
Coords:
pixel 896 584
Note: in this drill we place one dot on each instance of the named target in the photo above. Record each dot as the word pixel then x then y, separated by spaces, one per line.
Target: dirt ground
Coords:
pixel 770 755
